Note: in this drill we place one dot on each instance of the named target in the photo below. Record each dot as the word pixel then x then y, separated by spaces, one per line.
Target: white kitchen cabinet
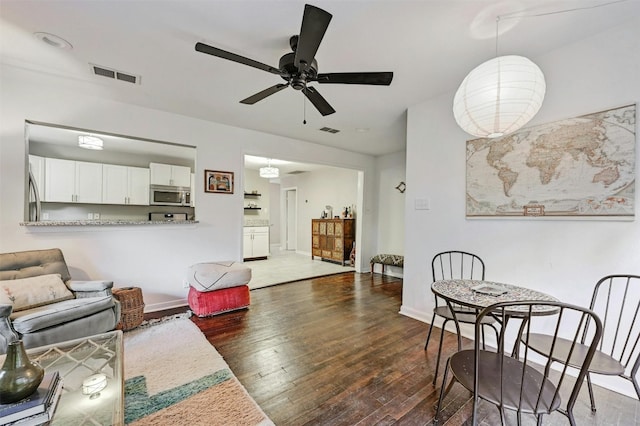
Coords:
pixel 125 185
pixel 255 242
pixel 69 181
pixel 138 186
pixel 168 174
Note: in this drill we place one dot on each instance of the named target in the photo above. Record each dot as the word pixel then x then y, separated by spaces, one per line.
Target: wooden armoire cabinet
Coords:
pixel 332 239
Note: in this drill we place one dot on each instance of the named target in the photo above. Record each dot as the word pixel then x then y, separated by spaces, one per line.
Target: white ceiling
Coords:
pixel 430 46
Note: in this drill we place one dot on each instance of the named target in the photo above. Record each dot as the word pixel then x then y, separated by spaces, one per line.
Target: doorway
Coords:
pixel 286 205
pixel 291 218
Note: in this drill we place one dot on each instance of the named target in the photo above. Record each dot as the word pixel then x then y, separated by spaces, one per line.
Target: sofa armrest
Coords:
pixel 6 329
pixel 90 288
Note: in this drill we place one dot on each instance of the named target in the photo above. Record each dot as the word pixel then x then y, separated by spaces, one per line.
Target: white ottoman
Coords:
pixel 218 287
pixel 212 276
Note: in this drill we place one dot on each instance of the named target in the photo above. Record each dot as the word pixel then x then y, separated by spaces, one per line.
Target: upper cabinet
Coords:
pixel 167 174
pixel 125 185
pixel 69 181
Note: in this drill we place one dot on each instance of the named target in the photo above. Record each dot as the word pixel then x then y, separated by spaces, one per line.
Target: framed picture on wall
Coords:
pixel 220 182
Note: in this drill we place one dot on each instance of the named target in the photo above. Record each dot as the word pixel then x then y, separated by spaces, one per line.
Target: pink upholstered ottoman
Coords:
pixel 218 287
pixel 209 303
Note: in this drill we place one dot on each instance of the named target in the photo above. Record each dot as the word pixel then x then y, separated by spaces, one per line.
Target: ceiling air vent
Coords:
pixel 329 130
pixel 127 77
pixel 296 172
pixel 115 74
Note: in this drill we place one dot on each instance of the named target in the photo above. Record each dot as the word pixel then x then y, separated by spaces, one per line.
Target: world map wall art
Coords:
pixel 582 167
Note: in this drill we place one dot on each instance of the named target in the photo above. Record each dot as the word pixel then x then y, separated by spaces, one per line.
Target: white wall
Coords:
pixel 274 214
pixel 152 257
pixel 562 258
pixel 391 207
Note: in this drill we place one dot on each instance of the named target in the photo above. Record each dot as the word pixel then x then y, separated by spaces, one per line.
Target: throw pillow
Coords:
pixel 27 293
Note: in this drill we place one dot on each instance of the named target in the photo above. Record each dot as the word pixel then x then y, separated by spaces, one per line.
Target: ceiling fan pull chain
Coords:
pixel 304 110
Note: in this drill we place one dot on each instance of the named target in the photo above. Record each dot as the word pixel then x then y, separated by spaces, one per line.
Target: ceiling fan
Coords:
pixel 299 67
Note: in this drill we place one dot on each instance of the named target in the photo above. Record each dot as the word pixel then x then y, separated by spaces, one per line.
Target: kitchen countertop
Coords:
pixel 106 222
pixel 256 222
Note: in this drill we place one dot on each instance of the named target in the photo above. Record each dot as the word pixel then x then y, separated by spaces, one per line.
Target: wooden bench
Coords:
pixel 387 259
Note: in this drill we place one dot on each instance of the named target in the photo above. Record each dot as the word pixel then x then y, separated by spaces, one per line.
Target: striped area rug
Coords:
pixel 173 376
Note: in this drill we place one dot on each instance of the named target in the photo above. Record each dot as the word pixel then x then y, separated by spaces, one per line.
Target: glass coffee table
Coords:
pixel 78 359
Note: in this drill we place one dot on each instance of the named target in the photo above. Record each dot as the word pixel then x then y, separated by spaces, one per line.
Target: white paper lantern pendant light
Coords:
pixel 499 96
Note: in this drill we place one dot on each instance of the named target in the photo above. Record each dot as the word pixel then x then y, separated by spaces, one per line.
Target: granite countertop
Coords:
pixel 106 222
pixel 256 222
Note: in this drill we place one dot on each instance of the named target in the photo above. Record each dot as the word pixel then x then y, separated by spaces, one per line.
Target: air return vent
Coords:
pixel 296 172
pixel 115 74
pixel 329 130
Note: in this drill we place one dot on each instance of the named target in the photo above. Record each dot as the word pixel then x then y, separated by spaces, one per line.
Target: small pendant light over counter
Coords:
pixel 269 172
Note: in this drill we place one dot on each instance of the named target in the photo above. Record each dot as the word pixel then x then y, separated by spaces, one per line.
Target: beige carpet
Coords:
pixel 173 376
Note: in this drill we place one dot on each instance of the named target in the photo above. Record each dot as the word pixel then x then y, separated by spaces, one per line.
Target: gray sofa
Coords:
pixel 40 304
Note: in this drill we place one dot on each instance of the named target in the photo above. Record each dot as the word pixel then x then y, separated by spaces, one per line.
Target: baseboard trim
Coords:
pixel 162 306
pixel 465 329
pixel 415 314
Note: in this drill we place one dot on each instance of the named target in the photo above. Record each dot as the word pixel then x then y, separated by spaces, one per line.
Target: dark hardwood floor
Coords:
pixel 335 351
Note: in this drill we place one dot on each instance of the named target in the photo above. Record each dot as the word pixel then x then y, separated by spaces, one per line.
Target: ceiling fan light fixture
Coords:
pixel 90 142
pixel 499 96
pixel 299 67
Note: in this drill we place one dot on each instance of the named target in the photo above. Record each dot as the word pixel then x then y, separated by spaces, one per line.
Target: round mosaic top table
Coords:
pixel 480 294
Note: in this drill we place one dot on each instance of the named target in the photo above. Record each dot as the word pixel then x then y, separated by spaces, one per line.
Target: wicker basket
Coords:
pixel 132 306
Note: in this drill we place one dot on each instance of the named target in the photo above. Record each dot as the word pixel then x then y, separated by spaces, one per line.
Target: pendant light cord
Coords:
pixel 514 15
pixel 497 32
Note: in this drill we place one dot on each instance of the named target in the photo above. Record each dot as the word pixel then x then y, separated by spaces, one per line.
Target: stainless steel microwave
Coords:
pixel 160 195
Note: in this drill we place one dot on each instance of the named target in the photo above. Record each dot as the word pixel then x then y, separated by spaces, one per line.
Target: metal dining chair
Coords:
pixel 513 381
pixel 616 299
pixel 450 265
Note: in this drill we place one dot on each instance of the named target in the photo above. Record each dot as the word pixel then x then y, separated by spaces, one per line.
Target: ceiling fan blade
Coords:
pixel 375 78
pixel 318 101
pixel 314 24
pixel 210 50
pixel 261 95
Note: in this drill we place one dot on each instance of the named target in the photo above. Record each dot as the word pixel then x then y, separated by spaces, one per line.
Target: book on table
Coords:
pixel 36 403
pixel 44 417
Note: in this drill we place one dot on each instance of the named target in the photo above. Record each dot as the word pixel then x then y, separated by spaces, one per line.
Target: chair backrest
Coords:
pixel 25 264
pixel 457 265
pixel 551 319
pixel 616 299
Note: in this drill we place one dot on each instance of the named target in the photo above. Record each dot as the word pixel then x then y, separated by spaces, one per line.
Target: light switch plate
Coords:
pixel 422 204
